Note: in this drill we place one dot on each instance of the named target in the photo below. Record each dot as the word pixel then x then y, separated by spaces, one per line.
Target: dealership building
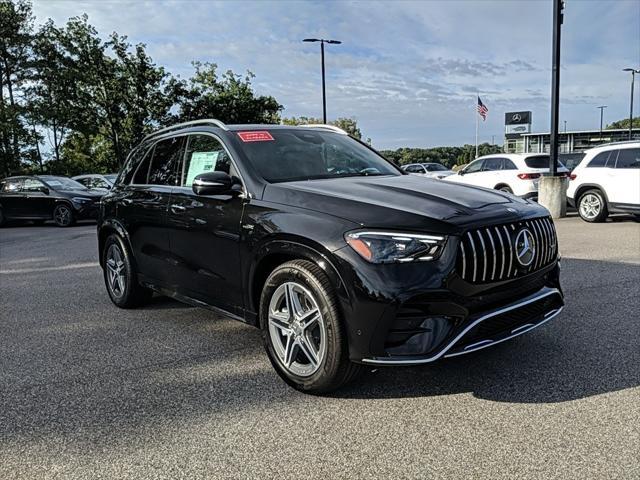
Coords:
pixel 518 137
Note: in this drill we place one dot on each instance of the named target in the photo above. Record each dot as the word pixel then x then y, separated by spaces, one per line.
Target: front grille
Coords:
pixel 489 254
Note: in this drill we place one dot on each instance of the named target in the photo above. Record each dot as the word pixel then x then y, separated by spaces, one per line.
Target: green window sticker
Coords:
pixel 201 162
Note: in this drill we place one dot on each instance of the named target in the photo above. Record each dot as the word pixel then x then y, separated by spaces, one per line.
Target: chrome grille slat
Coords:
pixel 475 256
pixel 487 254
pixel 484 256
pixel 493 249
pixel 502 250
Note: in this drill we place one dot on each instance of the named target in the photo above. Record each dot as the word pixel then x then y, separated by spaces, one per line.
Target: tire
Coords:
pixel 505 188
pixel 63 215
pixel 120 277
pixel 288 342
pixel 592 207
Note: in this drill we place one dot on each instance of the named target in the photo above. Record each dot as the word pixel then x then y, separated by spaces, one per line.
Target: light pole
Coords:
pixel 601 107
pixel 565 126
pixel 324 94
pixel 633 77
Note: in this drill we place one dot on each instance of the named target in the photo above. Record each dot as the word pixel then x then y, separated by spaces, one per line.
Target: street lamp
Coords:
pixel 324 94
pixel 633 77
pixel 601 107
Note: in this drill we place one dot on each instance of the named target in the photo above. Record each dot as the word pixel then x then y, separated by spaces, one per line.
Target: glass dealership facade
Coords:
pixel 569 142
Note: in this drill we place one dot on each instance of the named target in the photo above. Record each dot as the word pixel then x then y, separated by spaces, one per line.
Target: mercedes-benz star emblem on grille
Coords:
pixel 525 246
pixel 516 117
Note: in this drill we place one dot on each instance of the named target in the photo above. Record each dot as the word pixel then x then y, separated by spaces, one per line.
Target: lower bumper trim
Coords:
pixel 443 352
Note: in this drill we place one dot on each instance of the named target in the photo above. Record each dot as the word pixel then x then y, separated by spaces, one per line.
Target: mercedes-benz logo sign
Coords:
pixel 525 246
pixel 516 117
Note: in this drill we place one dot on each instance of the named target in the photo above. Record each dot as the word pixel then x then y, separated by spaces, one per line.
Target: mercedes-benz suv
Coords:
pixel 338 256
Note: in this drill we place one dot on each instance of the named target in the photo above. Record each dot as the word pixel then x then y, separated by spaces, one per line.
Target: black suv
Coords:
pixel 45 197
pixel 337 255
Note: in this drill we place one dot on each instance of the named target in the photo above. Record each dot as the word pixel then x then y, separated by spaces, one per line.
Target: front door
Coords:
pixel 38 199
pixel 12 197
pixel 624 185
pixel 204 230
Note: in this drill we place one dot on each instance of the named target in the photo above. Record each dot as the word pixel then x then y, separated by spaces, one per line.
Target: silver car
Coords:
pixel 431 170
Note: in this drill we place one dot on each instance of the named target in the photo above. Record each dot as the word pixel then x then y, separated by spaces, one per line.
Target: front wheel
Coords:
pixel 592 207
pixel 302 330
pixel 63 215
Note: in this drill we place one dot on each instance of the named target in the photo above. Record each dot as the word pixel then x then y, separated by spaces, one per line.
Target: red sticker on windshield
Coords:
pixel 255 136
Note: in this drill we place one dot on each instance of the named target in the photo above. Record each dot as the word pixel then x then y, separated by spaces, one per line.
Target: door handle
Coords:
pixel 178 209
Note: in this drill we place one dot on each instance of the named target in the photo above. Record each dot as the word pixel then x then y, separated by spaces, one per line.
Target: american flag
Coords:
pixel 482 109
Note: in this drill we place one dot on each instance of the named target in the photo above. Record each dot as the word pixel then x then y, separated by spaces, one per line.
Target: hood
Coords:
pixel 404 201
pixel 76 192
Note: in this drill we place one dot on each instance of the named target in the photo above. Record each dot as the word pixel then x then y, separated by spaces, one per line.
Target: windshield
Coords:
pixel 62 182
pixel 435 167
pixel 283 155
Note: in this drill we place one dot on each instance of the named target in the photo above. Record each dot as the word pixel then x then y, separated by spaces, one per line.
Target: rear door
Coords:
pixel 11 197
pixel 490 175
pixel 204 230
pixel 143 205
pixel 625 188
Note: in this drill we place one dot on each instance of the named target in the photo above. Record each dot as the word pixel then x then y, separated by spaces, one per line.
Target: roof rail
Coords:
pixel 208 121
pixel 326 127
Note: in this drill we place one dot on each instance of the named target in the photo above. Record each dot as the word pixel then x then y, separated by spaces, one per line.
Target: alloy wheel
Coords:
pixel 116 271
pixel 590 206
pixel 62 215
pixel 297 329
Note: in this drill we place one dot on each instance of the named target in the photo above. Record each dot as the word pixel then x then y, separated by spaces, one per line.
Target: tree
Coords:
pixel 229 98
pixel 624 124
pixel 16 27
pixel 349 125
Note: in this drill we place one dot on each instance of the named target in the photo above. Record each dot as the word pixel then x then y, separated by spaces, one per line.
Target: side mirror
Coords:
pixel 44 190
pixel 461 171
pixel 214 183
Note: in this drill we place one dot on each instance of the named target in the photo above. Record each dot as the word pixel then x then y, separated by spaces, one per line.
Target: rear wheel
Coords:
pixel 302 329
pixel 504 188
pixel 120 277
pixel 592 206
pixel 63 215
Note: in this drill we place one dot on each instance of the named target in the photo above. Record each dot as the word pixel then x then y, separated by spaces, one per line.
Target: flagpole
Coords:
pixel 477 115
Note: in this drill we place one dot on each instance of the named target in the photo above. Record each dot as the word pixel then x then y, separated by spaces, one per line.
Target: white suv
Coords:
pixel 517 173
pixel 607 180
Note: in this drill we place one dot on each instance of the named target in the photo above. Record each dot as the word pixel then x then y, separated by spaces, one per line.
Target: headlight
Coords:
pixel 395 247
pixel 80 200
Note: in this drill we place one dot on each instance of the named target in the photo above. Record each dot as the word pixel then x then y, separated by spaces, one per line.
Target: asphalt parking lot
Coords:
pixel 169 391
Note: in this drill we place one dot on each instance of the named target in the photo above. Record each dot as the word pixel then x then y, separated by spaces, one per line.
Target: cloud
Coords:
pixel 408 71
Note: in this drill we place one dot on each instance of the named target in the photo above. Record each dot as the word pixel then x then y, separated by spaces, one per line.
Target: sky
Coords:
pixel 407 71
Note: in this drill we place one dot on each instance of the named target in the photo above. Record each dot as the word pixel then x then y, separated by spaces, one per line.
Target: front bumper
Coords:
pixel 490 328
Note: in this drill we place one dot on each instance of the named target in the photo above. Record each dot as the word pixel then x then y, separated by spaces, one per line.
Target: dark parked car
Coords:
pixel 45 197
pixel 97 181
pixel 338 256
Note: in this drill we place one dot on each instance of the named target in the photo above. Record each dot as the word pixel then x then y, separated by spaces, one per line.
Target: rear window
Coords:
pixel 539 161
pixel 295 154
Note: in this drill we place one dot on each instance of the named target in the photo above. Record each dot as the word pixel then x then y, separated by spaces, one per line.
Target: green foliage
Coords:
pixel 349 125
pixel 447 156
pixel 624 124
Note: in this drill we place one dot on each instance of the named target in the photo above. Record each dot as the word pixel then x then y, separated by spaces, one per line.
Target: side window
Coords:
pixel 203 154
pixel 99 183
pixel 32 185
pixel 84 181
pixel 628 158
pixel 411 169
pixel 11 186
pixel 133 167
pixel 142 173
pixel 474 167
pixel 508 164
pixel 600 160
pixel 164 163
pixel 492 164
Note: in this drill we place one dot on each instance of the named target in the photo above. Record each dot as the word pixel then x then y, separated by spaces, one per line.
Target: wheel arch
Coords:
pixel 107 228
pixel 277 251
pixel 502 184
pixel 589 186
